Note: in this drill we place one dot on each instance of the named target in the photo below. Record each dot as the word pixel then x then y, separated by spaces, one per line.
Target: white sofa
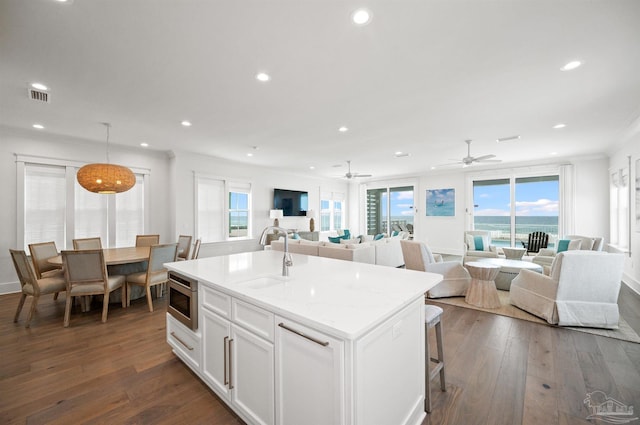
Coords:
pixel 581 290
pixel 546 256
pixel 384 252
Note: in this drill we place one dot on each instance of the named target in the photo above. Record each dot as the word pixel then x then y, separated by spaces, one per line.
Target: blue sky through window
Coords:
pixel 532 199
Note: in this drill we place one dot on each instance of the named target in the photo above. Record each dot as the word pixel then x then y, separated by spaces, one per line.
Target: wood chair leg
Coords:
pixel 20 305
pixel 123 295
pixel 67 310
pixel 105 307
pixel 149 300
pixel 32 310
pixel 128 295
pixel 55 296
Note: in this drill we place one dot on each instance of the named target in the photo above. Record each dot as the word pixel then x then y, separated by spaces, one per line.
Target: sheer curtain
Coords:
pixel 44 204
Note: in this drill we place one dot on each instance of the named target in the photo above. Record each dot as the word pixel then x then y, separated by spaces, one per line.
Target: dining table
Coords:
pixel 122 261
pixel 116 256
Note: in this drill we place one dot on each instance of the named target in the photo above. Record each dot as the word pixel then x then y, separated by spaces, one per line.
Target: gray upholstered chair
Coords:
pixel 581 290
pixel 196 249
pixel 147 240
pixel 418 256
pixel 87 243
pixel 86 274
pixel 40 255
pixel 155 274
pixel 184 247
pixel 31 286
pixel 477 244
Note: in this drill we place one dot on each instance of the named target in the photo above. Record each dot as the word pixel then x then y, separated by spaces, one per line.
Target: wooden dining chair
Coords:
pixel 184 247
pixel 147 240
pixel 32 286
pixel 40 254
pixel 86 274
pixel 155 274
pixel 87 243
pixel 196 249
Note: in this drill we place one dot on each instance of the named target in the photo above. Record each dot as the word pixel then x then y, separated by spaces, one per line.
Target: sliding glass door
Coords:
pixel 511 208
pixel 390 209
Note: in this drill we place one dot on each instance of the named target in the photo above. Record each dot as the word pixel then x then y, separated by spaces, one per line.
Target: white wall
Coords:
pixel 619 159
pixel 263 181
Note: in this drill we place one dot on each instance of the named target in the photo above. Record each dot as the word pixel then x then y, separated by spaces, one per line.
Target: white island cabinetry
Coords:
pixel 336 343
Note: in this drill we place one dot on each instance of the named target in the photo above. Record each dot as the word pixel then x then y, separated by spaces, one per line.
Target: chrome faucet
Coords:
pixel 286 260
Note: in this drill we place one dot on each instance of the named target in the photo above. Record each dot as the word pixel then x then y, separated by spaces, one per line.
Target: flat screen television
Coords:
pixel 291 202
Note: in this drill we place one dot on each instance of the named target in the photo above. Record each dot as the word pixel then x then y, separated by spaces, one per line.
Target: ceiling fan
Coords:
pixel 469 160
pixel 349 175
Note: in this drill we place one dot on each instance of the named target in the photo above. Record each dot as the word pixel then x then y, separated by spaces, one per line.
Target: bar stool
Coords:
pixel 432 317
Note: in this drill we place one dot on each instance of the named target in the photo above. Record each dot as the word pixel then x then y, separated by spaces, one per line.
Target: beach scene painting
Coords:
pixel 441 202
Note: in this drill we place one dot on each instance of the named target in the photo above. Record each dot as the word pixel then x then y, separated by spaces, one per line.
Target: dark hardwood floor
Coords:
pixel 499 370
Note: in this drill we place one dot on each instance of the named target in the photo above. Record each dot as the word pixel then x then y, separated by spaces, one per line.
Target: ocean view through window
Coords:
pixel 512 208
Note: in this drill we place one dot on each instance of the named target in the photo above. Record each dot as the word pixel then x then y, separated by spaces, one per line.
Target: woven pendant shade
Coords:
pixel 106 178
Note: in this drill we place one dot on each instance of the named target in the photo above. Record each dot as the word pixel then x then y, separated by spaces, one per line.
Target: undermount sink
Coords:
pixel 262 282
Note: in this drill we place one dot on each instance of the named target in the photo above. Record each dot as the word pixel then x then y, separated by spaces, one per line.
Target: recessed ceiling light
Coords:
pixel 401 154
pixel 186 123
pixel 38 126
pixel 263 77
pixel 571 65
pixel 361 17
pixel 311 167
pixel 249 154
pixel 144 145
pixel 553 153
pixel 559 126
pixel 39 86
pixel 343 129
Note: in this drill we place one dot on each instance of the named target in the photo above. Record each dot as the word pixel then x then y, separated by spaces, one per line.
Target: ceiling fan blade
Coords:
pixel 483 158
pixel 361 175
pixel 487 161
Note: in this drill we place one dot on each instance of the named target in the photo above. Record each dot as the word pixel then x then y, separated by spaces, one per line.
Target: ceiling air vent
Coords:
pixel 39 95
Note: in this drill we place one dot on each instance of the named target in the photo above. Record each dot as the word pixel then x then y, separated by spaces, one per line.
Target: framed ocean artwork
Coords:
pixel 441 202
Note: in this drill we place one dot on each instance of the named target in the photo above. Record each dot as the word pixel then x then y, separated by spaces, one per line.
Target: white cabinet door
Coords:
pixel 252 375
pixel 309 376
pixel 215 338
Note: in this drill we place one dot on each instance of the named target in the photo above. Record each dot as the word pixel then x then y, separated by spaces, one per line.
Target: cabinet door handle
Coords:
pixel 302 334
pixel 230 364
pixel 224 349
pixel 173 334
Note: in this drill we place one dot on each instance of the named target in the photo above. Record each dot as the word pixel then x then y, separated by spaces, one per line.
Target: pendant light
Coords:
pixel 106 178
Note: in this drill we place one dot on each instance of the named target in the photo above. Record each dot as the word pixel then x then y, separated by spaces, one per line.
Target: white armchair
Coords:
pixel 582 290
pixel 477 244
pixel 418 256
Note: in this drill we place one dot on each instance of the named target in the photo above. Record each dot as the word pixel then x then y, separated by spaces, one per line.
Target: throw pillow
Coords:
pixel 337 239
pixel 470 243
pixel 378 236
pixel 568 244
pixel 479 243
pixel 295 236
pixel 395 233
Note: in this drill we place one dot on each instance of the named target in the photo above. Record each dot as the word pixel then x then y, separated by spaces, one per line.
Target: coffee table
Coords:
pixel 509 269
pixel 482 289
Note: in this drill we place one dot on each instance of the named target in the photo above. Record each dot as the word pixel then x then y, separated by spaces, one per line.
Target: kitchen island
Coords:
pixel 336 342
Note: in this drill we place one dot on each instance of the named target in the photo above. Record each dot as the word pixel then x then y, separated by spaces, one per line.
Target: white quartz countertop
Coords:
pixel 342 298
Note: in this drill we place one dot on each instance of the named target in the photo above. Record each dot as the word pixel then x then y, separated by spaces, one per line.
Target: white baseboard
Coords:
pixel 9 287
pixel 633 284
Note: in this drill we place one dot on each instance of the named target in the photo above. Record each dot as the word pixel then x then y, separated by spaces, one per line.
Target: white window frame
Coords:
pixel 71 169
pixel 229 185
pixel 332 198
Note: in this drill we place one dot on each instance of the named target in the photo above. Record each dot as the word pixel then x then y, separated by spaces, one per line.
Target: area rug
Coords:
pixel 625 332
